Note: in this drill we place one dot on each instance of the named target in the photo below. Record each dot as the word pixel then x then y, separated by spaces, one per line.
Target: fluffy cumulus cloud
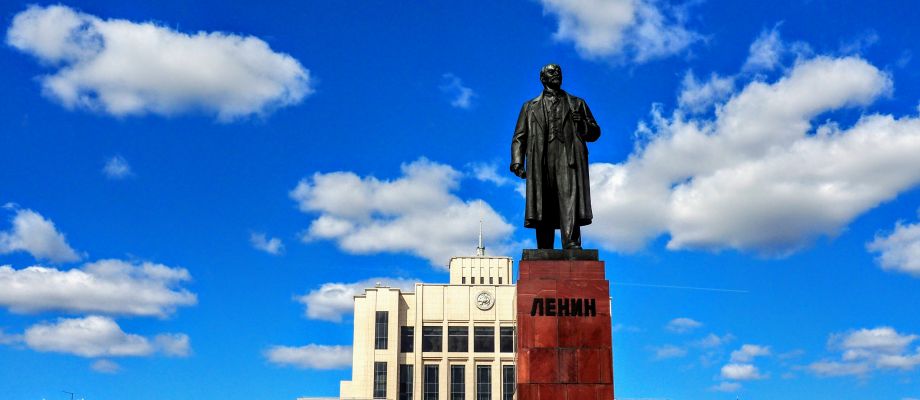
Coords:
pixel 311 356
pixel 105 286
pixel 748 352
pixel 864 350
pixel 757 175
pixel 96 336
pixel 367 215
pixel 682 325
pixel 260 241
pixel 696 96
pixel 122 67
pixel 117 168
pixel 740 372
pixel 741 367
pixel 639 30
pixel 766 52
pixel 899 250
pixel 460 96
pixel 488 172
pixel 38 236
pixel 333 300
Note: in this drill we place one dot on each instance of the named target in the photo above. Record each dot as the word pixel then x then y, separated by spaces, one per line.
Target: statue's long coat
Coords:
pixel 528 148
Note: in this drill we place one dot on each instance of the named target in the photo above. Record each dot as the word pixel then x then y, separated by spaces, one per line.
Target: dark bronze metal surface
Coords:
pixel 549 150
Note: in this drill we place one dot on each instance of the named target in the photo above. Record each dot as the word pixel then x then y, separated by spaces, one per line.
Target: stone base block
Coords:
pixel 565 349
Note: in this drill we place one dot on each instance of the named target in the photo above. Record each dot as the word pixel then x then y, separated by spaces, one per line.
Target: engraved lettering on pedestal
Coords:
pixel 537 303
pixel 553 307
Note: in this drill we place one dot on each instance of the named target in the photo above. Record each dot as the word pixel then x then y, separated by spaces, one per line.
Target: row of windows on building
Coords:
pixel 458 337
pixel 431 389
pixel 482 280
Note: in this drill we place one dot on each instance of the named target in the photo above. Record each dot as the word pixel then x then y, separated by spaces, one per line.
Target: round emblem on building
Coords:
pixel 485 300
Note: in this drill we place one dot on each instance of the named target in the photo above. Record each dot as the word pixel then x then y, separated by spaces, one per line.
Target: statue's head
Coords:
pixel 551 76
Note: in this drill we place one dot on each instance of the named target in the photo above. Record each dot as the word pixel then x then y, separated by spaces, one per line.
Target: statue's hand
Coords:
pixel 518 170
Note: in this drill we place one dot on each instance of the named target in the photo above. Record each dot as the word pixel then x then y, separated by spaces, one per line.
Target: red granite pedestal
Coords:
pixel 564 346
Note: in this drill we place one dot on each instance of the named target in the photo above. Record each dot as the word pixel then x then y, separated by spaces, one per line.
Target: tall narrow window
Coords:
pixel 457 382
pixel 463 280
pixel 482 280
pixel 499 280
pixel 506 339
pixel 490 280
pixel 483 382
pixel 406 339
pixel 484 339
pixel 458 338
pixel 507 382
pixel 380 331
pixel 405 382
pixel 431 338
pixel 380 380
pixel 431 382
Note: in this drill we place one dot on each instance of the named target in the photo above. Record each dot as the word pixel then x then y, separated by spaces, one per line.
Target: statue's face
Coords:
pixel 551 76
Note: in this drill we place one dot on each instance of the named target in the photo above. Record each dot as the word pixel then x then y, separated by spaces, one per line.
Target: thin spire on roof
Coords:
pixel 481 250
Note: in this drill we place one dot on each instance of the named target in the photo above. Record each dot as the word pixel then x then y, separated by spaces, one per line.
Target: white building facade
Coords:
pixel 452 341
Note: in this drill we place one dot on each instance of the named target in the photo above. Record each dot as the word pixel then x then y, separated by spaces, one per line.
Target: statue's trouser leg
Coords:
pixel 563 177
pixel 545 237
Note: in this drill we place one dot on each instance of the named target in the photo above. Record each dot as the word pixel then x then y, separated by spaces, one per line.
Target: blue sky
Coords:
pixel 192 192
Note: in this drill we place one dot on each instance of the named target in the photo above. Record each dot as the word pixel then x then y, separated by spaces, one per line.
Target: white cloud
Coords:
pixel 740 372
pixel 668 351
pixel 105 366
pixel 7 339
pixel 105 286
pixel 173 344
pixel 883 340
pixel 757 177
pixel 748 352
pixel 117 168
pixel 38 236
pixel 899 250
pixel 489 173
pixel 860 43
pixel 93 336
pixel 766 52
pixel 712 340
pixel 866 349
pixel 334 299
pixel 726 387
pixel 460 95
pixel 311 356
pixel 635 29
pixel 98 336
pixel 696 97
pixel 261 242
pixel 124 68
pixel 835 368
pixel 368 215
pixel 682 325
